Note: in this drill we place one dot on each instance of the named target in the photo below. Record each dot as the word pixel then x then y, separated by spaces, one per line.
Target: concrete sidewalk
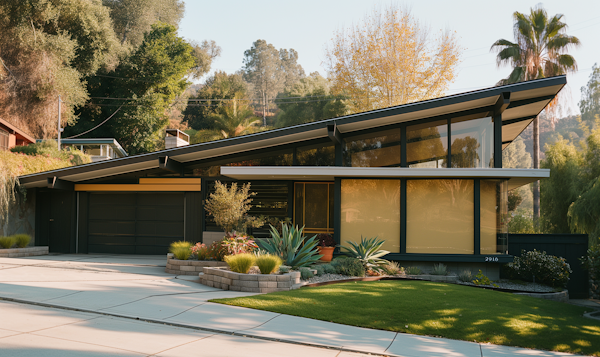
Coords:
pixel 136 287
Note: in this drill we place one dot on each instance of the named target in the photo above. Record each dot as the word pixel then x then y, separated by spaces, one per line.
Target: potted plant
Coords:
pixel 326 246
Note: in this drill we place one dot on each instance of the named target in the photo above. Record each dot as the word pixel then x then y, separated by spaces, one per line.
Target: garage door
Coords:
pixel 134 223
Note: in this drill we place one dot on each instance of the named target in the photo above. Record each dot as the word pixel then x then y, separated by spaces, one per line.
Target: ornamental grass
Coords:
pixel 181 250
pixel 6 242
pixel 22 240
pixel 268 263
pixel 240 263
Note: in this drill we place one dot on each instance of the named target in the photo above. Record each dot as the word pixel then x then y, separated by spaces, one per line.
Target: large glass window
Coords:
pixel 371 208
pixel 427 145
pixel 494 212
pixel 440 216
pixel 316 155
pixel 313 206
pixel 379 149
pixel 472 142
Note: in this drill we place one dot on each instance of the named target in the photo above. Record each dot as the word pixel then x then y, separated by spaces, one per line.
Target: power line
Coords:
pixel 96 127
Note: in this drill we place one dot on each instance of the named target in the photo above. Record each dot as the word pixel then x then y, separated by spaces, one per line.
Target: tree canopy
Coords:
pixel 590 97
pixel 390 59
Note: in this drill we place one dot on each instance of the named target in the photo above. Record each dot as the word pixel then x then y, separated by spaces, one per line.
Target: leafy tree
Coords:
pixel 62 40
pixel 155 74
pixel 590 96
pixel 539 51
pixel 308 100
pixel 389 59
pixel 262 68
pixel 515 156
pixel 218 89
pixel 133 18
pixel 290 68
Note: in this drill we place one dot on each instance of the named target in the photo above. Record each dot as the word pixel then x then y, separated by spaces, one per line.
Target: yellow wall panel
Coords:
pixel 371 208
pixel 489 227
pixel 440 217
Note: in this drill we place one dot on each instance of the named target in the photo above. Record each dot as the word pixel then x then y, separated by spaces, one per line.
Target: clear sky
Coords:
pixel 308 25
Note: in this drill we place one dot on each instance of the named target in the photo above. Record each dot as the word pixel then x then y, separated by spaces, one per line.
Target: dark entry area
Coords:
pixel 133 223
pixel 55 220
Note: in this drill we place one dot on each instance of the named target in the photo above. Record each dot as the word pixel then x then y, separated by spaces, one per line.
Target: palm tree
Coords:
pixel 539 51
pixel 234 119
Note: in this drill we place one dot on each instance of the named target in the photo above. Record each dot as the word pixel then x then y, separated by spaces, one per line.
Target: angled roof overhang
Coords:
pixel 515 177
pixel 20 134
pixel 527 100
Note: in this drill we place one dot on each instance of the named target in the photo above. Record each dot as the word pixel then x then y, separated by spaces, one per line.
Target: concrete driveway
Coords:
pixel 127 305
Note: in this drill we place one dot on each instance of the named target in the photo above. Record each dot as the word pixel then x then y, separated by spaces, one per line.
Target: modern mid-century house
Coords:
pixel 426 177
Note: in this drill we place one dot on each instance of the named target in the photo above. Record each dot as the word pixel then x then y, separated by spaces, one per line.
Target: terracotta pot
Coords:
pixel 327 253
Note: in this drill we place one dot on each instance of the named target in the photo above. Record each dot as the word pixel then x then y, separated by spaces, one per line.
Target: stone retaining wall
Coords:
pixel 190 267
pixel 222 278
pixel 23 252
pixel 562 296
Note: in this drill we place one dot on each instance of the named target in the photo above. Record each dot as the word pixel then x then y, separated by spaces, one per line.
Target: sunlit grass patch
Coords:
pixel 438 309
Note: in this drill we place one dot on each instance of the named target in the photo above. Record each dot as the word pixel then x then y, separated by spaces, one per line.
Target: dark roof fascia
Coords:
pixel 401 109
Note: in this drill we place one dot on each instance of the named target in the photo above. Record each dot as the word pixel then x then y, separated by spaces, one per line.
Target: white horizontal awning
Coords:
pixel 515 177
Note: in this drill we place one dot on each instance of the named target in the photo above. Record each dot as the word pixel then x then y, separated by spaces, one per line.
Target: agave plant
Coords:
pixel 291 246
pixel 368 252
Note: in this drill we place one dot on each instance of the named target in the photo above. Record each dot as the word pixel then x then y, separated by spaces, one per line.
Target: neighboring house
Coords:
pixel 426 177
pixel 10 136
pixel 99 149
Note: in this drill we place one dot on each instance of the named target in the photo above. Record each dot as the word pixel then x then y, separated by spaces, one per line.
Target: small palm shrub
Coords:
pixel 368 252
pixel 291 246
pixel 240 263
pixel 541 268
pixel 465 276
pixel 22 240
pixel 181 250
pixel 392 268
pixel 439 269
pixel 6 242
pixel 268 263
pixel 348 266
pixel 413 271
pixel 306 273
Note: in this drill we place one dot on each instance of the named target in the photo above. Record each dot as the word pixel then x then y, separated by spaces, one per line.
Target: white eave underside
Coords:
pixel 515 177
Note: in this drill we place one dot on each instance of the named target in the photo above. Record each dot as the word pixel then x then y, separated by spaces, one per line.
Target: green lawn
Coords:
pixel 436 309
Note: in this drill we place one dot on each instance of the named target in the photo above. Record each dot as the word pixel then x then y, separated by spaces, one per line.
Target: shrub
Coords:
pixel 465 276
pixel 306 273
pixel 7 242
pixel 439 269
pixel 240 263
pixel 328 269
pixel 200 251
pixel 268 263
pixel 319 269
pixel 181 250
pixel 348 266
pixel 591 262
pixel 238 243
pixel 291 246
pixel 22 240
pixel 541 268
pixel 392 268
pixel 368 252
pixel 229 207
pixel 481 279
pixel 326 240
pixel 413 271
pixel 216 251
pixel 284 269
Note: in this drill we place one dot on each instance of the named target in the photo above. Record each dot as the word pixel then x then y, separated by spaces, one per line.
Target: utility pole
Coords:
pixel 59 128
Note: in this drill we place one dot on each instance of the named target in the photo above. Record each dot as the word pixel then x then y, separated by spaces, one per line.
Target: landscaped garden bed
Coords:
pixel 17 246
pixel 223 278
pixel 189 267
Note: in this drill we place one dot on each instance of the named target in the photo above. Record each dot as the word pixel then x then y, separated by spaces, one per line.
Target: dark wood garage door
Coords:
pixel 135 223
